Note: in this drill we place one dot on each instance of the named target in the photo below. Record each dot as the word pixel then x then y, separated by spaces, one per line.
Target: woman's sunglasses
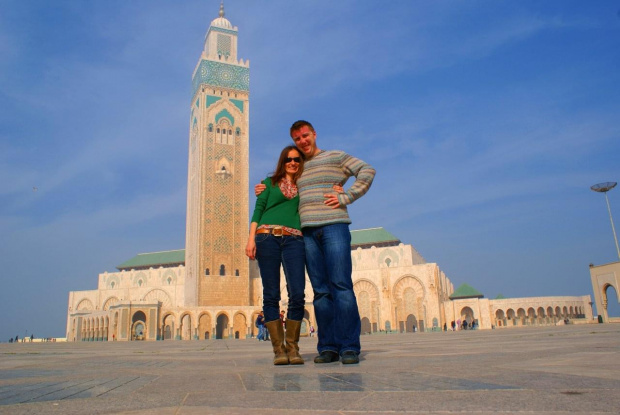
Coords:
pixel 295 159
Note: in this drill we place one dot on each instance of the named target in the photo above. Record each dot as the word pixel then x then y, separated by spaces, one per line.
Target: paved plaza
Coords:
pixel 539 370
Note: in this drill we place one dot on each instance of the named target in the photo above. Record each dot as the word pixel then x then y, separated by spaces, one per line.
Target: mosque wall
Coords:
pixel 392 297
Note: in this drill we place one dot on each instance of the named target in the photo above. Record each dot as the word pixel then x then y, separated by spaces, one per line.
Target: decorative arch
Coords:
pixel 224 114
pixel 500 318
pixel 240 325
pixel 185 326
pixel 139 279
pixel 223 167
pixel 467 314
pixel 605 294
pixel 158 295
pixel 367 294
pixel 113 282
pixel 409 281
pixel 388 258
pixel 222 325
pixel 205 326
pixel 168 326
pixel 531 315
pixel 85 305
pixel 110 302
pixel 409 295
pixel 139 325
pixel 169 277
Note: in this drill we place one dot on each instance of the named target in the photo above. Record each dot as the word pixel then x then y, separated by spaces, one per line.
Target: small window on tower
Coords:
pixel 207 273
pixel 236 273
pixel 222 270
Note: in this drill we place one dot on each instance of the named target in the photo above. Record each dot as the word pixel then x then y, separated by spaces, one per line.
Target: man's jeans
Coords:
pixel 328 258
pixel 271 251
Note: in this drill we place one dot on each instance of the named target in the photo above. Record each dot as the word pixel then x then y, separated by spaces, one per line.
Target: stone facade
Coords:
pixel 603 277
pixel 217 184
pixel 211 290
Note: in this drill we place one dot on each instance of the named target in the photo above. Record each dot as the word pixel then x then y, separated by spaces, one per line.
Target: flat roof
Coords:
pixel 360 237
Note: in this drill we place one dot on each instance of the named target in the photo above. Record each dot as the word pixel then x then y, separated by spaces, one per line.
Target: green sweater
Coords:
pixel 272 208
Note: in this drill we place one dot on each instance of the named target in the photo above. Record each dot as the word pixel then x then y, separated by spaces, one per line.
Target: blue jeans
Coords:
pixel 328 258
pixel 288 251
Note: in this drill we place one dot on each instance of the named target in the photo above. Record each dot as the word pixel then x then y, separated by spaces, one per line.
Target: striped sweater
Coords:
pixel 320 174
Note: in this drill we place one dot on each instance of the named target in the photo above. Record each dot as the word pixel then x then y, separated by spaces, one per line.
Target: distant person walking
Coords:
pixel 260 325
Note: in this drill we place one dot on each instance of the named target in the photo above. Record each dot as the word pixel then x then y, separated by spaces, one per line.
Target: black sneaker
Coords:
pixel 349 358
pixel 326 357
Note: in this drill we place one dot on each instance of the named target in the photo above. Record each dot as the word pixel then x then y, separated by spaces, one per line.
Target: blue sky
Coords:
pixel 487 121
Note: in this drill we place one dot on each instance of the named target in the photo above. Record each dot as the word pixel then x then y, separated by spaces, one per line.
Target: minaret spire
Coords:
pixel 222 9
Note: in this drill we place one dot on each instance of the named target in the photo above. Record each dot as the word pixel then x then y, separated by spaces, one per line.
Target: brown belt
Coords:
pixel 275 231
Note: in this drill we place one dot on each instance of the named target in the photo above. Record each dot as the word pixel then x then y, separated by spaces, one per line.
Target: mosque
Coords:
pixel 210 290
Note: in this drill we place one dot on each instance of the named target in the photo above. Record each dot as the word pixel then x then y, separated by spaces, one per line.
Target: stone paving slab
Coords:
pixel 537 370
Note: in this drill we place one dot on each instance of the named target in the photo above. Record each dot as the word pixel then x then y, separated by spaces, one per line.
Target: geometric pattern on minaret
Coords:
pixel 217 269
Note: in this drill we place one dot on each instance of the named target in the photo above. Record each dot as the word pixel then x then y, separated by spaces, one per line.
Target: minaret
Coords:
pixel 217 186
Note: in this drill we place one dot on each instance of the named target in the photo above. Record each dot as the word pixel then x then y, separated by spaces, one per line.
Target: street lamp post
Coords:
pixel 604 188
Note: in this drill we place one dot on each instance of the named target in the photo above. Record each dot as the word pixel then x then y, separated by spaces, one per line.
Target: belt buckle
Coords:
pixel 277 231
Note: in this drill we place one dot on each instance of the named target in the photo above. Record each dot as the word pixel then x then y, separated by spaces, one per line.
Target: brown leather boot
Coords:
pixel 276 332
pixel 292 342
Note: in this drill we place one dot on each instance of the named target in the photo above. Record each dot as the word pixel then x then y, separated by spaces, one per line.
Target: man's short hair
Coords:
pixel 299 124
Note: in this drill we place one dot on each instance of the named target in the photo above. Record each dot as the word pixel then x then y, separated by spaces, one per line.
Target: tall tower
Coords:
pixel 217 270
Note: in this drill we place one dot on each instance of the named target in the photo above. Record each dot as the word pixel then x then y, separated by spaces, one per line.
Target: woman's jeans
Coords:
pixel 328 258
pixel 288 251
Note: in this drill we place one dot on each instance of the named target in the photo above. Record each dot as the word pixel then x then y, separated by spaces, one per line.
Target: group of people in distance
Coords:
pixel 300 221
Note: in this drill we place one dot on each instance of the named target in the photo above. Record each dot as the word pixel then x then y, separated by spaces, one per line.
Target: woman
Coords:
pixel 276 239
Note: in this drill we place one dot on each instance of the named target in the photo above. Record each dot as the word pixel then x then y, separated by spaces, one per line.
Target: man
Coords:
pixel 325 226
pixel 260 325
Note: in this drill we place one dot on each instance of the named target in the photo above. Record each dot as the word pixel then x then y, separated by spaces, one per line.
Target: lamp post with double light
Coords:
pixel 604 188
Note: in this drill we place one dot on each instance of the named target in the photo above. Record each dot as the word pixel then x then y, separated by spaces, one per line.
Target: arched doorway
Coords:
pixel 204 326
pixel 412 324
pixel 610 302
pixel 186 327
pixel 467 315
pixel 521 316
pixel 168 327
pixel 221 328
pixel 499 318
pixel 240 326
pixel 138 326
pixel 366 328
